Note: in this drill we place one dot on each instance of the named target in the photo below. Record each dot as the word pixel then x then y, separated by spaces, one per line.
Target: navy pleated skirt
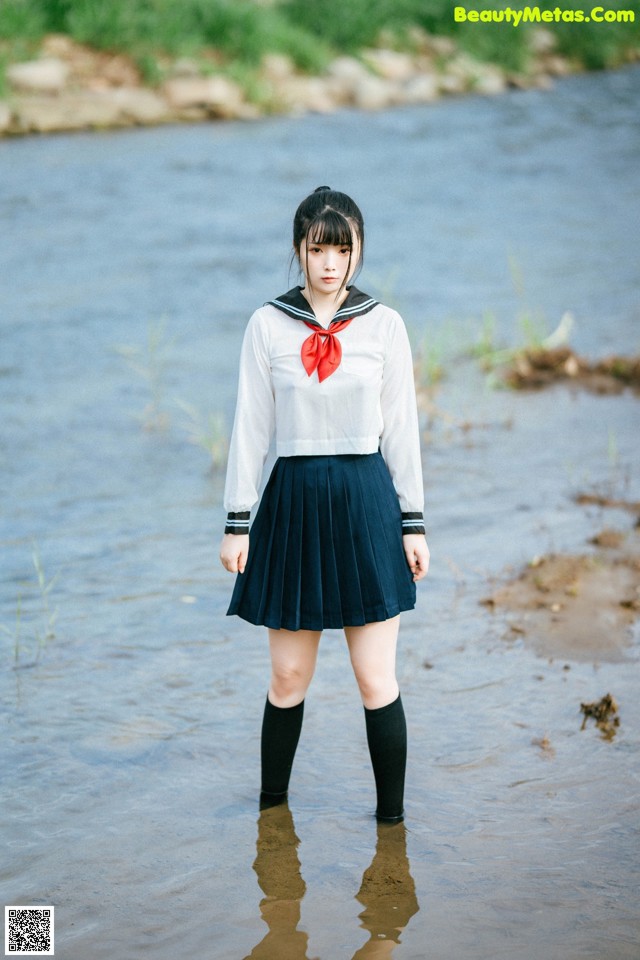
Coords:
pixel 325 547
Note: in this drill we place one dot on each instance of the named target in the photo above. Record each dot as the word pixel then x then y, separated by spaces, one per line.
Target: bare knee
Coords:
pixel 377 690
pixel 293 661
pixel 289 684
pixel 372 649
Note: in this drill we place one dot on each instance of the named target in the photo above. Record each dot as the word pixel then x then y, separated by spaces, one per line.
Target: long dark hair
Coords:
pixel 329 217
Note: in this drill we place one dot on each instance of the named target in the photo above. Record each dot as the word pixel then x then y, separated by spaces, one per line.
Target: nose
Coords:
pixel 330 259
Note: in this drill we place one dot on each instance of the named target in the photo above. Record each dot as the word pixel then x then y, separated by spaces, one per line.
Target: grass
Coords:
pixel 149 363
pixel 534 333
pixel 430 356
pixel 240 32
pixel 42 623
pixel 207 432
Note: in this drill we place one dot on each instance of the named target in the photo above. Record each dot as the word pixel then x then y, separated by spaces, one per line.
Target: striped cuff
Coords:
pixel 412 523
pixel 238 522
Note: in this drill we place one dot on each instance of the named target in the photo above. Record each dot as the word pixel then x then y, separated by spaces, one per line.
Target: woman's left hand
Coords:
pixel 417 554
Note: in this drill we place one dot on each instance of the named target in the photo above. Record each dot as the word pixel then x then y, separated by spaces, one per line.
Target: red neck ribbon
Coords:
pixel 322 351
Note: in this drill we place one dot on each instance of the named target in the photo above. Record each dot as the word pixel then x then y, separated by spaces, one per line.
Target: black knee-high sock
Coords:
pixel 280 734
pixel 387 739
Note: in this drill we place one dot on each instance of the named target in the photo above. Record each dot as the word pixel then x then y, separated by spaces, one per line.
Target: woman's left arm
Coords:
pixel 400 443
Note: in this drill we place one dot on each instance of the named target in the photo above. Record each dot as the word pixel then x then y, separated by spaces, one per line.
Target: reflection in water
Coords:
pixel 278 870
pixel 387 891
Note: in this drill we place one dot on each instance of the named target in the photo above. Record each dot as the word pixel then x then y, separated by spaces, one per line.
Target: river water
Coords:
pixel 130 264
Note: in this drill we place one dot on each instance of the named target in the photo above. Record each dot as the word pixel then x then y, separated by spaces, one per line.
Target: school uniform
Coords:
pixel 326 542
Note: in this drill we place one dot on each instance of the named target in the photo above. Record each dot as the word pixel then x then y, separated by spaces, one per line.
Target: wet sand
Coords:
pixel 581 607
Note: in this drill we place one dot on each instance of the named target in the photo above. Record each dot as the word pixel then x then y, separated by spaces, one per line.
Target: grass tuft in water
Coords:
pixel 207 432
pixel 150 363
pixel 42 623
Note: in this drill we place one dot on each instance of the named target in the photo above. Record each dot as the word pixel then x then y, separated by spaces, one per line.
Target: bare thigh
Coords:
pixel 372 649
pixel 293 662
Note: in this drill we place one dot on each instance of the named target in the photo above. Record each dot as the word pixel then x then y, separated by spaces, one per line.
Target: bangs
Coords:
pixel 330 228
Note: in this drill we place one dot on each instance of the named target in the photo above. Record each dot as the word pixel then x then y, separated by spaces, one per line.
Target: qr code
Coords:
pixel 28 930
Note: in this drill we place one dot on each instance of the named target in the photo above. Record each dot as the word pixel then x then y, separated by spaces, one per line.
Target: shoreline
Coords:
pixel 71 87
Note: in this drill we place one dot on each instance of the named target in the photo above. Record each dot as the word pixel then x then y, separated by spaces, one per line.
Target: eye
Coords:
pixel 345 250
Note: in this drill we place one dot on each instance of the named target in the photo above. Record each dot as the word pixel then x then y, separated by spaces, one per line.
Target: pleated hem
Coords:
pixel 327 623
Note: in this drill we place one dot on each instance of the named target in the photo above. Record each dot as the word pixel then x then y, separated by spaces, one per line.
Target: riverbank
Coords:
pixel 70 86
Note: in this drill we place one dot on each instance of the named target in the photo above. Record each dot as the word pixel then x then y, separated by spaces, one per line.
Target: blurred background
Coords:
pixel 497 169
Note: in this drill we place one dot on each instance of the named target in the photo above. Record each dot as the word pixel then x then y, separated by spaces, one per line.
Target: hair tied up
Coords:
pixel 322 189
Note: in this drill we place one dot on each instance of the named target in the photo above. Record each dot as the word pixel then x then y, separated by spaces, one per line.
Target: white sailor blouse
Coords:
pixel 347 388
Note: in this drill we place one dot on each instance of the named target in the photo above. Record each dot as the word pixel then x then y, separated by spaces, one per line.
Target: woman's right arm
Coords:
pixel 252 431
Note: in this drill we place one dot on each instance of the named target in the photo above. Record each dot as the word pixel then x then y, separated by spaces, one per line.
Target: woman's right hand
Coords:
pixel 234 551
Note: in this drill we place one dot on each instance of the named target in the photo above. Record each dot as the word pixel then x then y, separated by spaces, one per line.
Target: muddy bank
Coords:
pixel 69 86
pixel 576 607
pixel 537 368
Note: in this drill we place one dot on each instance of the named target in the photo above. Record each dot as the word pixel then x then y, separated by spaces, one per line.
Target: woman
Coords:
pixel 338 540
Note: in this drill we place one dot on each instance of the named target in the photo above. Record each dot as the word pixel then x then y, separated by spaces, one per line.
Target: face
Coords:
pixel 327 268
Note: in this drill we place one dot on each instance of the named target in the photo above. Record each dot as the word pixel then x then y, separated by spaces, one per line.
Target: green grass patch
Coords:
pixel 242 31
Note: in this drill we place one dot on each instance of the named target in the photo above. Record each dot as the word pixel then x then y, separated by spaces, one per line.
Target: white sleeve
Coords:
pixel 254 421
pixel 400 438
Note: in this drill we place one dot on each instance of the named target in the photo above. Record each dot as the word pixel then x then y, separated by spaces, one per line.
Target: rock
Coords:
pixel 346 81
pixel 421 89
pixel 374 93
pixel 277 67
pixel 57 45
pixel 451 83
pixel 347 71
pixel 220 96
pixel 419 38
pixel 192 114
pixel 5 117
pixel 139 105
pixel 542 42
pixel 185 92
pixel 306 94
pixel 463 73
pixel 391 65
pixel 48 75
pixel 89 109
pixel 491 81
pixel 556 66
pixel 74 111
pixel 245 111
pixel 465 68
pixel 425 63
pixel 542 82
pixel 442 46
pixel 338 93
pixel 185 67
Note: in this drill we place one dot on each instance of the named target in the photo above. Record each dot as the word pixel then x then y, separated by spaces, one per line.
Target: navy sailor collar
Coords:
pixel 295 305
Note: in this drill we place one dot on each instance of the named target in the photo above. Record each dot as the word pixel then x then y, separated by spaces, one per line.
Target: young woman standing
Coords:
pixel 338 539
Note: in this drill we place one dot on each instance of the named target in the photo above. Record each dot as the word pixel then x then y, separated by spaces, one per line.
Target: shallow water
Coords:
pixel 130 750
